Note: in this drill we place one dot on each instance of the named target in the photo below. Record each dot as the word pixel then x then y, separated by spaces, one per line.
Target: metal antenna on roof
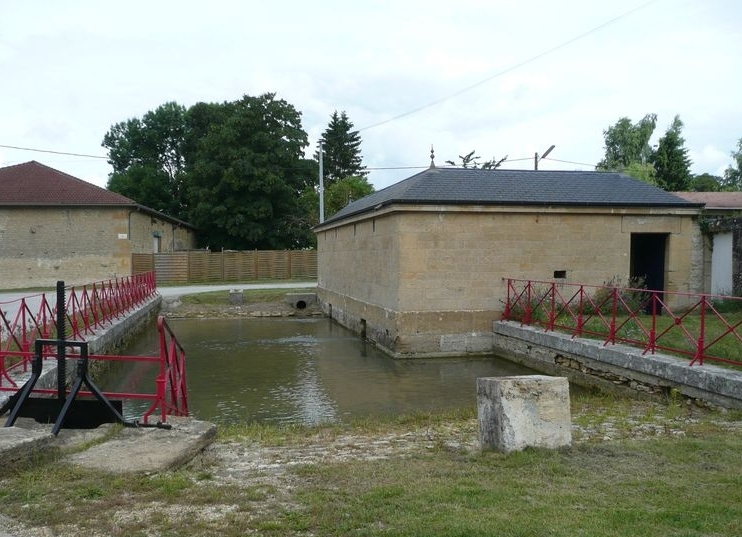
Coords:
pixel 536 158
pixel 432 156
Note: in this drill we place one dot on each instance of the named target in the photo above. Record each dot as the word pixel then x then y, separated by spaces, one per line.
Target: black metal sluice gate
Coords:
pixel 65 408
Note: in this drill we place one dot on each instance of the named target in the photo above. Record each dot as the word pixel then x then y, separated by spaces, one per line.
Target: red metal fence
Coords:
pixel 87 309
pixel 172 388
pixel 698 326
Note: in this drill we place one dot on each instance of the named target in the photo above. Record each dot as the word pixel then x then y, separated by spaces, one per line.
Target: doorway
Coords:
pixel 648 260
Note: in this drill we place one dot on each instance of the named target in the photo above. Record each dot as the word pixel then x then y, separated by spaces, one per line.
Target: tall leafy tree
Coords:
pixel 644 171
pixel 342 192
pixel 732 179
pixel 148 159
pixel 247 173
pixel 341 150
pixel 336 196
pixel 671 161
pixel 705 182
pixel 627 143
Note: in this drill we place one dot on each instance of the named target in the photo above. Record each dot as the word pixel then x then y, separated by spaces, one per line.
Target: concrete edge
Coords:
pixel 149 449
pixel 710 383
pixel 19 445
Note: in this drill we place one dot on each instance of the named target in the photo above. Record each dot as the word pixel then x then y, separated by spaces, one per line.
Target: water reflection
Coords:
pixel 307 371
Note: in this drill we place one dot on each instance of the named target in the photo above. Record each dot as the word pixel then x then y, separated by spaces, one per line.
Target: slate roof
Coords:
pixel 459 186
pixel 33 184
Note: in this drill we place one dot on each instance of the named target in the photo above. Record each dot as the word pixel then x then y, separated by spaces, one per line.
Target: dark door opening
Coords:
pixel 648 260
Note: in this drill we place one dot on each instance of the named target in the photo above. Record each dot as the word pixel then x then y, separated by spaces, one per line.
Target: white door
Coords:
pixel 721 264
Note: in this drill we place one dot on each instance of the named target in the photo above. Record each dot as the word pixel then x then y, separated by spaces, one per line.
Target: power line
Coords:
pixel 369 168
pixel 570 162
pixel 52 152
pixel 396 168
pixel 507 70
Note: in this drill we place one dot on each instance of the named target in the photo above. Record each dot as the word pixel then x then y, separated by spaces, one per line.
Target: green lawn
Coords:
pixel 633 469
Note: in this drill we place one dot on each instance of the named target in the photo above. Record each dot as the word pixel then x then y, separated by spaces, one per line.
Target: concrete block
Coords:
pixel 523 411
pixel 236 297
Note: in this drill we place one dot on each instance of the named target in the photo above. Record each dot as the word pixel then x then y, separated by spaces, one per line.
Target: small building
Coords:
pixel 420 267
pixel 722 226
pixel 56 227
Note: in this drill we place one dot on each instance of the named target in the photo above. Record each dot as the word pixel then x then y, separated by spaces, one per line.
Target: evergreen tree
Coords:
pixel 341 150
pixel 671 161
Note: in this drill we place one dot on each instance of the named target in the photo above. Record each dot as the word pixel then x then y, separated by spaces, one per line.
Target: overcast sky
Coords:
pixel 505 77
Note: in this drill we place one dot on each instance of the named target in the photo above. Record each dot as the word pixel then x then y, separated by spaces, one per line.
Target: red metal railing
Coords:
pixel 87 309
pixel 699 326
pixel 171 390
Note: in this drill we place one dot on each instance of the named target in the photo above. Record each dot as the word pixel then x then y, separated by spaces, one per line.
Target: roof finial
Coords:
pixel 432 156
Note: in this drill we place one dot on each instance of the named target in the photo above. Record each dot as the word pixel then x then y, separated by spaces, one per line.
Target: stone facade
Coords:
pixel 41 245
pixel 428 280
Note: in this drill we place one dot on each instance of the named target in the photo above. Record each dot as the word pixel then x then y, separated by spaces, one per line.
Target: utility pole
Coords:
pixel 321 187
pixel 536 158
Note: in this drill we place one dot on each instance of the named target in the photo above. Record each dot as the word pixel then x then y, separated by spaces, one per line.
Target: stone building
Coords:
pixel 419 267
pixel 722 226
pixel 56 227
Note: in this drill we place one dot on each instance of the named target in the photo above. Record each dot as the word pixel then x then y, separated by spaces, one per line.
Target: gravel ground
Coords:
pixel 248 464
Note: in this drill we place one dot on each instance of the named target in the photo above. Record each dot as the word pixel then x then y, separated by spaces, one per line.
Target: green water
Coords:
pixel 304 371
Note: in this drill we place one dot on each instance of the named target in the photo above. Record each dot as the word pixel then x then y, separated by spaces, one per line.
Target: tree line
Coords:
pixel 239 173
pixel 236 170
pixel 667 165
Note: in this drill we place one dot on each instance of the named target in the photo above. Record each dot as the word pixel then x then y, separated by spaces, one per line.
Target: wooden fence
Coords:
pixel 227 266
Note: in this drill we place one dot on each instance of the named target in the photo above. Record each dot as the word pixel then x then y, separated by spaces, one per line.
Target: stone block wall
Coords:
pixel 42 245
pixel 145 228
pixel 434 276
pixel 616 368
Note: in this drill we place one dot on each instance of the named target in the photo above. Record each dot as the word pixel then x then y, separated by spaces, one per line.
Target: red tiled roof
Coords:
pixel 32 183
pixel 714 200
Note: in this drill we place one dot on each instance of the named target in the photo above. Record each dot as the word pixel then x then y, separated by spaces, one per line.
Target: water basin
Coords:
pixel 304 371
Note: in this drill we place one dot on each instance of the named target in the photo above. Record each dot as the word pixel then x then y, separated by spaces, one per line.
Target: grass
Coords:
pixel 220 298
pixel 683 481
pixel 671 336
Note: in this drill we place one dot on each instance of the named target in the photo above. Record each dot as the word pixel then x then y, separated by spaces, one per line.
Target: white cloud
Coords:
pixel 81 67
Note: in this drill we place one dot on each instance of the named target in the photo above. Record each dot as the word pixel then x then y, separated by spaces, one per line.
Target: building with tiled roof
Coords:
pixel 420 267
pixel 54 226
pixel 716 203
pixel 722 219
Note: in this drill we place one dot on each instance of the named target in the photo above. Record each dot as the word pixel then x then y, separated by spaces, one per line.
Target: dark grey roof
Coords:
pixel 459 186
